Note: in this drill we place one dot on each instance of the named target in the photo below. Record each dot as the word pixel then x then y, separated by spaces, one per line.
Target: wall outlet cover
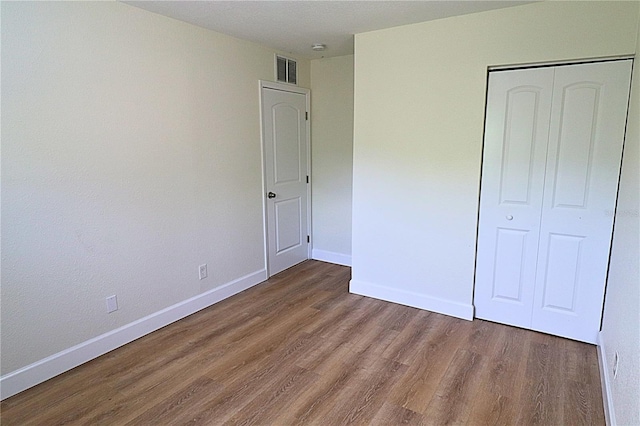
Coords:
pixel 112 304
pixel 202 271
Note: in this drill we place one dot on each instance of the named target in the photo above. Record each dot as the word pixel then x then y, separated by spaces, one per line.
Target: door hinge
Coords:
pixel 307 179
pixel 306 115
pixel 308 239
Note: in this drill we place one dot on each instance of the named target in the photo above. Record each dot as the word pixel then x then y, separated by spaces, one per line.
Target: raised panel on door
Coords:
pixel 288 214
pixel 517 121
pixel 286 144
pixel 509 266
pixel 285 149
pixel 583 164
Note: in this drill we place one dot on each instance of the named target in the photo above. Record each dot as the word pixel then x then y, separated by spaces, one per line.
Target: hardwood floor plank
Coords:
pixel 253 379
pixel 482 337
pixel 317 400
pixel 345 312
pixel 398 318
pixel 362 402
pixel 391 414
pixel 265 408
pixel 429 365
pixel 492 409
pixel 540 393
pixel 299 349
pixel 263 341
pixel 405 346
pixel 68 410
pixel 506 365
pixel 496 401
pixel 580 362
pixel 186 399
pixel 341 337
pixel 453 399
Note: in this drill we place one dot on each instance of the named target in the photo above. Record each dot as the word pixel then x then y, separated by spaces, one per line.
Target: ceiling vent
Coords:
pixel 286 70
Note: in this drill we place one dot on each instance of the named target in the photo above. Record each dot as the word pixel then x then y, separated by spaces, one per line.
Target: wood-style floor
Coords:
pixel 299 349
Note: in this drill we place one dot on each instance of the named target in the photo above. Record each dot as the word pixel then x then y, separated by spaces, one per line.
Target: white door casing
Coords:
pixel 285 135
pixel 543 248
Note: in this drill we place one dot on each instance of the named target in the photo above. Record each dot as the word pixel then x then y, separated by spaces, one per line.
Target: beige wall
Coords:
pixel 130 155
pixel 621 323
pixel 419 112
pixel 332 156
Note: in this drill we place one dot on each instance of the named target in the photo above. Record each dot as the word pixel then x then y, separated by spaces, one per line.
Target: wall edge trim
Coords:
pixel 31 375
pixel 605 383
pixel 415 300
pixel 331 257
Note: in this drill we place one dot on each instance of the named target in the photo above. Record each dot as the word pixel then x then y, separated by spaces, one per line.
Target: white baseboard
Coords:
pixel 331 257
pixel 416 300
pixel 40 371
pixel 605 383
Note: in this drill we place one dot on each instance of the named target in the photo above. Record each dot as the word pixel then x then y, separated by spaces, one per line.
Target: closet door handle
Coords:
pixel 509 217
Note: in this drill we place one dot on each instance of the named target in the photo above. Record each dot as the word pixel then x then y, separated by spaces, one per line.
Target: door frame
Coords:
pixel 264 84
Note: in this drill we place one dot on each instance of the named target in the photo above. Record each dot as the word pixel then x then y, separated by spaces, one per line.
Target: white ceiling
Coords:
pixel 293 26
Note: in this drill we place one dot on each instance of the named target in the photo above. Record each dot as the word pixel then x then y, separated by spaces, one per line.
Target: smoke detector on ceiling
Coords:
pixel 318 47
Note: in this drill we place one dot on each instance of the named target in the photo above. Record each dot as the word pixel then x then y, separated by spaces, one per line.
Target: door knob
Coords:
pixel 509 217
pixel 271 195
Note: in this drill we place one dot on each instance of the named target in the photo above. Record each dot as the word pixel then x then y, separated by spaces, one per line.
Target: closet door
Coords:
pixel 589 110
pixel 553 145
pixel 516 131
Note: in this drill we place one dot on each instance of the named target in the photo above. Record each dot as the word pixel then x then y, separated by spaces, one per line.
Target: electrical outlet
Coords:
pixel 202 271
pixel 616 360
pixel 112 304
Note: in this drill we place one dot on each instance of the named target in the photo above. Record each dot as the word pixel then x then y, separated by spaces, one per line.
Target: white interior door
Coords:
pixel 284 121
pixel 517 125
pixel 553 143
pixel 581 183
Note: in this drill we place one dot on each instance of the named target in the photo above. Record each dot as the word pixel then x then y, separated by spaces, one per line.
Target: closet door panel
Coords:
pixel 583 162
pixel 517 122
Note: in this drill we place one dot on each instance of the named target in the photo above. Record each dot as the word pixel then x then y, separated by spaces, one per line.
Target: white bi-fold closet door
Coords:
pixel 551 163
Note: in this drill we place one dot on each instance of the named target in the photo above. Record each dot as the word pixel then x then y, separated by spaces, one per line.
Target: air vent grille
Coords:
pixel 286 70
